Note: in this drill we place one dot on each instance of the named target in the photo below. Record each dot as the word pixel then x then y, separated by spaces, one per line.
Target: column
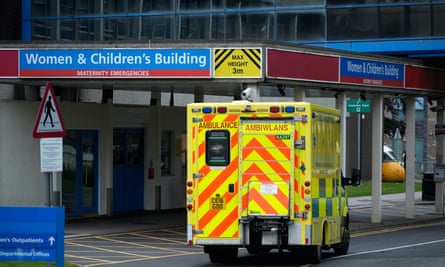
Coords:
pixel 410 103
pixel 377 146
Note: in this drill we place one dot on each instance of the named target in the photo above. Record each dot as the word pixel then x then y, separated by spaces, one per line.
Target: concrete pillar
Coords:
pixel 340 104
pixel 199 95
pixel 299 94
pixel 410 103
pixel 377 146
pixel 440 152
pixel 6 91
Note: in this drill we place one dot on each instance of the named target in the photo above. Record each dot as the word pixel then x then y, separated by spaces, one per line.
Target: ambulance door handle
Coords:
pixel 231 188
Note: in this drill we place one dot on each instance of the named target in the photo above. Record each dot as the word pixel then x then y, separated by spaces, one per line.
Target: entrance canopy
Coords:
pixel 217 68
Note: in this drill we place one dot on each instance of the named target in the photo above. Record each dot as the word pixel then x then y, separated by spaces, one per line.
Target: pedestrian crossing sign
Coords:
pixel 49 121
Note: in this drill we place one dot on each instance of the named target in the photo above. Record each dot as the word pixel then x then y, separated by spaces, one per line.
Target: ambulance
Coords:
pixel 264 176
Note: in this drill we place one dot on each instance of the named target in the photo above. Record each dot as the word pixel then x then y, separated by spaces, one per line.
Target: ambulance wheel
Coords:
pixel 315 254
pixel 223 254
pixel 343 247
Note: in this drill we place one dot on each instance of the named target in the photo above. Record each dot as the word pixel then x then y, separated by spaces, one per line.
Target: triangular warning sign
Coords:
pixel 49 121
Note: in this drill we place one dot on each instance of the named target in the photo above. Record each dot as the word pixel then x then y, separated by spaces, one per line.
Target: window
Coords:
pixel 167 150
pixel 352 23
pixel 294 26
pixel 194 27
pixel 218 148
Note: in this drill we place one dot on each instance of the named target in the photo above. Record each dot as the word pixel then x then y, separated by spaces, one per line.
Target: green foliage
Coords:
pixel 365 189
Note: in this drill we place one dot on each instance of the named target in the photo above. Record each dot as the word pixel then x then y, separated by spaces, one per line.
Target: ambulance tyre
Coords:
pixel 222 254
pixel 343 247
pixel 315 254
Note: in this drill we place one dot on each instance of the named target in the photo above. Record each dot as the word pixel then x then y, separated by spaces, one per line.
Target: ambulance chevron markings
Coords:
pixel 217 222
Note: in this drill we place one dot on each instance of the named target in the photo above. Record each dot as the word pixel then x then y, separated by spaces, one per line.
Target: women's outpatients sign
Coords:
pixel 116 63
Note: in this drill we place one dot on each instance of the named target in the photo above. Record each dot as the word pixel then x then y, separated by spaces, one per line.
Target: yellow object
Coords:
pixel 263 176
pixel 392 171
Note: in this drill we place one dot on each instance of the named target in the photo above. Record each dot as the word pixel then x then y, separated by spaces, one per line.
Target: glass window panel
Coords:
pixel 42 30
pixel 293 3
pixel 217 148
pixel 218 27
pixel 438 20
pixel 41 8
pixel 201 4
pixel 67 31
pixel 167 153
pixel 252 26
pixel 157 27
pixel 391 21
pixel 86 29
pixel 128 28
pixel 349 2
pixel 118 148
pixel 67 7
pixel 233 27
pixel 109 6
pixel 194 5
pixel 69 171
pixel 352 23
pixel 194 27
pixel 293 27
pixel 88 172
pixel 419 19
pixel 86 7
pixel 109 29
pixel 249 3
pixel 157 5
pixel 257 26
pixel 135 148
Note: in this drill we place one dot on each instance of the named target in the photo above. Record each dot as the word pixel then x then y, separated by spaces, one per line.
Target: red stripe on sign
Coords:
pixel 371 82
pixel 115 73
pixel 301 66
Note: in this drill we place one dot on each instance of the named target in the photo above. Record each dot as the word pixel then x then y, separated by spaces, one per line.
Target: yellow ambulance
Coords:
pixel 265 176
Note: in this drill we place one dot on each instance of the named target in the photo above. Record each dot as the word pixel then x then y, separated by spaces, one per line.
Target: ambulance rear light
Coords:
pixel 307 191
pixel 206 110
pixel 221 109
pixel 189 206
pixel 189 191
pixel 307 183
pixel 189 183
pixel 289 109
pixel 307 206
pixel 274 109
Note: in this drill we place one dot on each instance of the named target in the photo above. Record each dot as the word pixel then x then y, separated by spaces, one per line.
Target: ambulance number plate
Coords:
pixel 216 203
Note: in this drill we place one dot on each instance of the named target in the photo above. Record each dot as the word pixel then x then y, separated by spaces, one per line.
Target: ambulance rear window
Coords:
pixel 218 148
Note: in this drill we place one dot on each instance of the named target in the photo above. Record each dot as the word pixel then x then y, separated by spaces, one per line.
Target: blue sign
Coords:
pixel 374 73
pixel 32 234
pixel 115 63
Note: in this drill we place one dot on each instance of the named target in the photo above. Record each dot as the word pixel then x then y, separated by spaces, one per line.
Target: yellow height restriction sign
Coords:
pixel 236 63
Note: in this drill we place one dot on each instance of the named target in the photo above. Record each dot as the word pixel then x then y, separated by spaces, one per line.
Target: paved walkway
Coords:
pixel 393 215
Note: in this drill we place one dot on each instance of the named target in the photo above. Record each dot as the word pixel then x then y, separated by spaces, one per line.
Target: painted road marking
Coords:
pixel 110 249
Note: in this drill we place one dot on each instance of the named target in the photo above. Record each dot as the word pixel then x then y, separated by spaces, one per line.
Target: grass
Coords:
pixel 30 264
pixel 365 189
